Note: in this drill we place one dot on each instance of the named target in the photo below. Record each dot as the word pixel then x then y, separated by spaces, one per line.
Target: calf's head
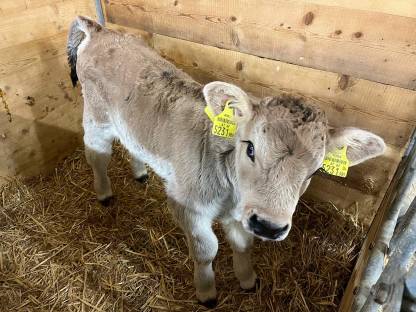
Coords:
pixel 280 143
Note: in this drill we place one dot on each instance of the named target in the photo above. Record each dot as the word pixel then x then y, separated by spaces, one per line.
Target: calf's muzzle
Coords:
pixel 266 229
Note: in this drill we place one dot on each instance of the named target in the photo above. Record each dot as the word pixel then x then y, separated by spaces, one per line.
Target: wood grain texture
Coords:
pixel 41 120
pixel 397 7
pixel 40 68
pixel 45 114
pixel 16 6
pixel 371 45
pixel 41 21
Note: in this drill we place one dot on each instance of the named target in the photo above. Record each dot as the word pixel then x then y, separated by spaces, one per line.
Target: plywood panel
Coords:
pixel 371 45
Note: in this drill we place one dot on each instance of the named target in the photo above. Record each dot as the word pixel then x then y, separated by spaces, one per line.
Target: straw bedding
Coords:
pixel 61 251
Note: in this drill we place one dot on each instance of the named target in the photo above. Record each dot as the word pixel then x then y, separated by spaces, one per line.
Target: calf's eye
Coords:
pixel 250 150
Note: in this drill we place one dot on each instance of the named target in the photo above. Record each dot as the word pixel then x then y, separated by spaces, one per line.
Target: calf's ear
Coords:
pixel 361 144
pixel 217 93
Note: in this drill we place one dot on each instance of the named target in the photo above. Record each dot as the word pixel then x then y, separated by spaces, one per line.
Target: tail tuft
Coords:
pixel 80 28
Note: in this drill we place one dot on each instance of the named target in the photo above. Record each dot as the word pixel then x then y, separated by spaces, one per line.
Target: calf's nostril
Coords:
pixel 253 218
pixel 265 228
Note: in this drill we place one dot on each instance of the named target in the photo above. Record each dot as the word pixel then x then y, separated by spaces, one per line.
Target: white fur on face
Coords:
pixel 271 185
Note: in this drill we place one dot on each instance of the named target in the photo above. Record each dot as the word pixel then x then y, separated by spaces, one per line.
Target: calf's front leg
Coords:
pixel 241 242
pixel 203 247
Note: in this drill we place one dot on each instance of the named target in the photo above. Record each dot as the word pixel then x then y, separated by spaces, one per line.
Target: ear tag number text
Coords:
pixel 223 124
pixel 336 162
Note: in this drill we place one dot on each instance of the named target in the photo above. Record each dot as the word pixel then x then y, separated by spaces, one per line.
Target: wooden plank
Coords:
pixel 45 114
pixel 366 99
pixel 41 22
pixel 363 103
pixel 397 7
pixel 371 45
pixel 20 57
pixel 29 147
pixel 17 6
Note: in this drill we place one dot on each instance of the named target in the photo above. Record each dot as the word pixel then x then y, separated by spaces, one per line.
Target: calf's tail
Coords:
pixel 81 29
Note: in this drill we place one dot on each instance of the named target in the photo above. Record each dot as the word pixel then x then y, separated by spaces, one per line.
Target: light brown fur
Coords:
pixel 157 112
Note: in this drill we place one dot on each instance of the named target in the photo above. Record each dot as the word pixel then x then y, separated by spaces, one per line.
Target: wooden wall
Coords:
pixel 364 43
pixel 40 112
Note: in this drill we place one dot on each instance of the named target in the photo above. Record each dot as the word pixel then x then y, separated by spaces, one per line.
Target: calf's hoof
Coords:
pixel 207 298
pixel 108 201
pixel 210 304
pixel 143 178
pixel 253 288
pixel 250 283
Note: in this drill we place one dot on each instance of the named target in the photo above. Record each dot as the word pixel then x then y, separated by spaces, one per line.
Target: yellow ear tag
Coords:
pixel 336 162
pixel 223 124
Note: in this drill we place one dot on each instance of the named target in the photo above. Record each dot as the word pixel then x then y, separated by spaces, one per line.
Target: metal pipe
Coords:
pixel 409 297
pixel 388 291
pixel 375 263
pixel 100 13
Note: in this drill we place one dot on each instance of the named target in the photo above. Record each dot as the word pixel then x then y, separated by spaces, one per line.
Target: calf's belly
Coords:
pixel 159 165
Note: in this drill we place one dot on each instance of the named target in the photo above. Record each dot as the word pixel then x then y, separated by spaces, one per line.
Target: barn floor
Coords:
pixel 61 251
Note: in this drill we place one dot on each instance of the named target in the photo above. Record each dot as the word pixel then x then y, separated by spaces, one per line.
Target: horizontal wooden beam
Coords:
pixel 371 45
pixel 397 7
pixel 8 7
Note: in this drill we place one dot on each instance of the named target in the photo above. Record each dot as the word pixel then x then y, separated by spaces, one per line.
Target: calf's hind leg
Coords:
pixel 98 147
